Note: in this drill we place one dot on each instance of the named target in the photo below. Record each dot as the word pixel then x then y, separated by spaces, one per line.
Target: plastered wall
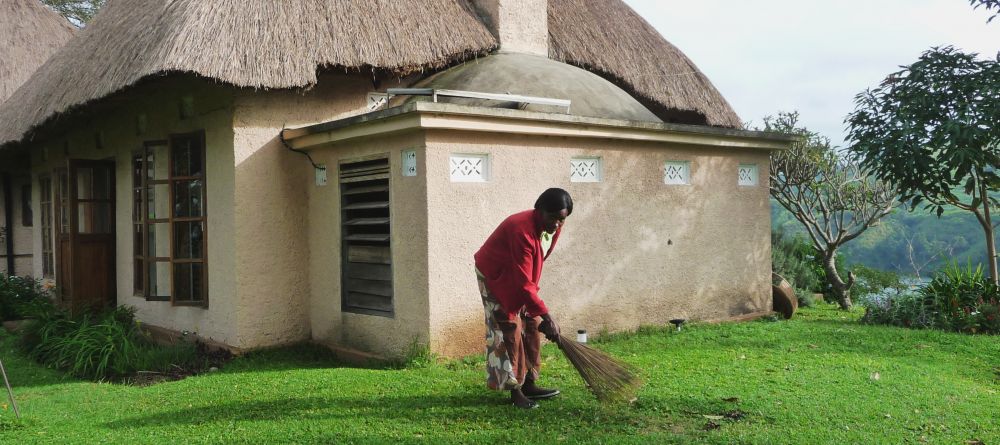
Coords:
pixel 634 252
pixel 115 121
pixel 387 336
pixel 283 298
pixel 20 234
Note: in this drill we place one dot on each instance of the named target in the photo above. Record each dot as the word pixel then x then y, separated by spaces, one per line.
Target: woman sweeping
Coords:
pixel 509 267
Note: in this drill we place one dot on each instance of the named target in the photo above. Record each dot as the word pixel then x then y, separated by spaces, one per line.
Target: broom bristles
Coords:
pixel 607 378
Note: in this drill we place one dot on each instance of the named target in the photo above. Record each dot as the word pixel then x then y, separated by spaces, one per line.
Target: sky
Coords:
pixel 812 56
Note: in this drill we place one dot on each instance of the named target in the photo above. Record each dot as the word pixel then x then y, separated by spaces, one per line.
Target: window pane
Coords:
pixel 94 217
pixel 188 281
pixel 158 205
pixel 187 154
pixel 137 249
pixel 159 279
pixel 156 170
pixel 93 183
pixel 188 198
pixel 137 276
pixel 26 213
pixel 159 240
pixel 188 239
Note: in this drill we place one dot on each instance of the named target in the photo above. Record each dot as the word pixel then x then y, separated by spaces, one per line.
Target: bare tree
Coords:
pixel 918 264
pixel 829 194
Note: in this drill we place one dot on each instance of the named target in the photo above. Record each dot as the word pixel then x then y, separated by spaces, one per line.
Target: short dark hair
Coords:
pixel 554 200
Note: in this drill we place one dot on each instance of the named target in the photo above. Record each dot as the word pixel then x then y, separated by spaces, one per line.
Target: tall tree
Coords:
pixel 78 12
pixel 831 195
pixel 933 130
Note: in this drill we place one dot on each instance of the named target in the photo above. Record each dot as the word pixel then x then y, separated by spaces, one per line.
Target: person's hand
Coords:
pixel 550 328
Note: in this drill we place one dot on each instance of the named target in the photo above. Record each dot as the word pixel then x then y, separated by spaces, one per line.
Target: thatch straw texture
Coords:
pixel 29 34
pixel 609 38
pixel 282 44
pixel 247 43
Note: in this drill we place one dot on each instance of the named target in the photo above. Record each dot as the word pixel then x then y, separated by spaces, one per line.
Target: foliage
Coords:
pixel 102 346
pixel 808 380
pixel 933 130
pixel 793 258
pixel 873 282
pixel 992 6
pixel 16 292
pixel 832 196
pixel 957 299
pixel 78 12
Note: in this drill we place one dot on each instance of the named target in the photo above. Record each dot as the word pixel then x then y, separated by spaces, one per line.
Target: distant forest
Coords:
pixel 955 236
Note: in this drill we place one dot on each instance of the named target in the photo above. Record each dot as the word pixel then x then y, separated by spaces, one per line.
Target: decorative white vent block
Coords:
pixel 409 163
pixel 377 100
pixel 469 167
pixel 585 170
pixel 748 174
pixel 677 172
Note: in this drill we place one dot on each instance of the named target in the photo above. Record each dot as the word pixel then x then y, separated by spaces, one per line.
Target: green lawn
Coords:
pixel 820 378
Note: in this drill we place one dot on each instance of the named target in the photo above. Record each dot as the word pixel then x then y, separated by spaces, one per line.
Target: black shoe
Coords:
pixel 530 405
pixel 542 393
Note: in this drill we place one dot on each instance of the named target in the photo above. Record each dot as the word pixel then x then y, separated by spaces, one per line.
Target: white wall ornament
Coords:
pixel 748 175
pixel 585 170
pixel 677 172
pixel 469 167
pixel 377 100
pixel 409 163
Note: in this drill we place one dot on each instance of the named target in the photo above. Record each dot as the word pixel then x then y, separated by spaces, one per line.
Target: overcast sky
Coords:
pixel 813 56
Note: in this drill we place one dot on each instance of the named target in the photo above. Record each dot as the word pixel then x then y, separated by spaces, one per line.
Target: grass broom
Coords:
pixel 608 379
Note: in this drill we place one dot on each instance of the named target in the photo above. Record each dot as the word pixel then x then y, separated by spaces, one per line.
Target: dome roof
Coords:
pixel 528 75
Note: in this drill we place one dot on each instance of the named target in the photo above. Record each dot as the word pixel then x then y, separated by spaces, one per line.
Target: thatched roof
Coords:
pixel 282 44
pixel 247 43
pixel 29 34
pixel 609 38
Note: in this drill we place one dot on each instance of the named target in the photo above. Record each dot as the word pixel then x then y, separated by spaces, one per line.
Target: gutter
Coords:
pixel 8 223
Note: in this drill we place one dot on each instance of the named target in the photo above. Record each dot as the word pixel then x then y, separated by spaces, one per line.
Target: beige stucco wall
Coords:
pixel 282 298
pixel 387 336
pixel 116 120
pixel 20 234
pixel 521 26
pixel 634 252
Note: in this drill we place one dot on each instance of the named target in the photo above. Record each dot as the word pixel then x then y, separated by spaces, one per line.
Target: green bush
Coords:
pixel 16 292
pixel 957 299
pixel 794 259
pixel 102 346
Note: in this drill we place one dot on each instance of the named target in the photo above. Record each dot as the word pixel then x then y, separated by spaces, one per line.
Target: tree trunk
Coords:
pixel 841 290
pixel 991 247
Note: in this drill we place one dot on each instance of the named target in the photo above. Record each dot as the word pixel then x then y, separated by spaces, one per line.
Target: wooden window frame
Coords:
pixel 142 223
pixel 46 218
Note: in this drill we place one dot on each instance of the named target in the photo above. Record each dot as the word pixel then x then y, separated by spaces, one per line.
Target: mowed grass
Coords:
pixel 820 378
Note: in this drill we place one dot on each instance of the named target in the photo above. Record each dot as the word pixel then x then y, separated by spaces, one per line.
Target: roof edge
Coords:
pixel 430 115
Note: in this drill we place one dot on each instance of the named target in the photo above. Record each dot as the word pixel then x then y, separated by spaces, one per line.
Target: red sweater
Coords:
pixel 511 260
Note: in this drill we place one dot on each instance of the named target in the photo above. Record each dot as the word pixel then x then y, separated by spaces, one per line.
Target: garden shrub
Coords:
pixel 103 346
pixel 957 299
pixel 16 292
pixel 794 259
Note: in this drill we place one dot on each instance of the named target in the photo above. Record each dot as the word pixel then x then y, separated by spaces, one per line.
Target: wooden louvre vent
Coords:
pixel 366 274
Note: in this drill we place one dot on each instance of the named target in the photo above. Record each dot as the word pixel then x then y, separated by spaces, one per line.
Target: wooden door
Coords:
pixel 86 233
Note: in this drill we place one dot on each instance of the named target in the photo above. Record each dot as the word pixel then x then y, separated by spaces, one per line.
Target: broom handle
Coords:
pixel 10 393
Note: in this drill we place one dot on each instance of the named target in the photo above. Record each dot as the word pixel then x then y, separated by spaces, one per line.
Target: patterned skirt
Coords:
pixel 512 346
